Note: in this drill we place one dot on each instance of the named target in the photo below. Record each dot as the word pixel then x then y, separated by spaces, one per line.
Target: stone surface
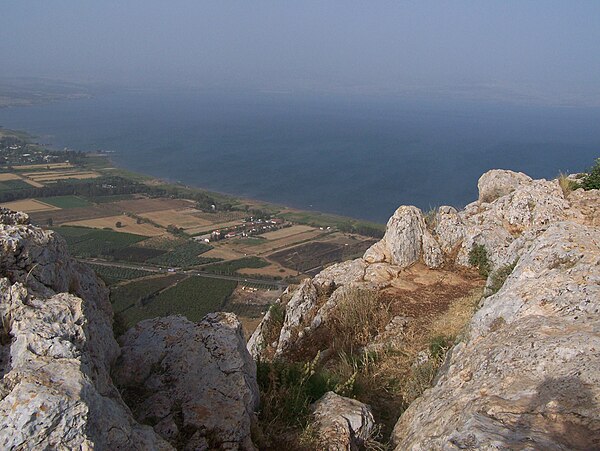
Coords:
pixel 56 350
pixel 341 424
pixel 499 182
pixel 527 375
pixel 195 382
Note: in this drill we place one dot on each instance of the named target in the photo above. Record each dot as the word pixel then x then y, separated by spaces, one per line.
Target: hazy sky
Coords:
pixel 549 49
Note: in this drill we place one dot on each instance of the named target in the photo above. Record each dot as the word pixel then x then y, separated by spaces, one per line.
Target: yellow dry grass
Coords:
pixel 286 232
pixel 8 176
pixel 29 206
pixel 223 252
pixel 61 175
pixel 129 225
pixel 208 228
pixel 180 218
pixel 271 270
pixel 25 167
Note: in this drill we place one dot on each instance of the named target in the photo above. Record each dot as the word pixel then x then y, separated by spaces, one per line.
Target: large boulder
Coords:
pixel 56 350
pixel 499 182
pixel 194 382
pixel 527 375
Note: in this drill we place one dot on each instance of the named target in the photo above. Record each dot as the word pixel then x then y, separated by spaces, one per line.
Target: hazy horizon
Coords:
pixel 537 52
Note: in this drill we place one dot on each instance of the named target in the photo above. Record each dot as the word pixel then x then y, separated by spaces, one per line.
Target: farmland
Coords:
pixel 112 274
pixel 192 297
pixel 88 243
pixel 66 201
pixel 126 225
pixel 230 267
pixel 83 199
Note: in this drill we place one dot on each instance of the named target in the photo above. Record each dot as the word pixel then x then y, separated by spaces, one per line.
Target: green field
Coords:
pixel 192 297
pixel 232 266
pixel 112 274
pixel 86 243
pixel 108 199
pixel 184 255
pixel 66 201
pixel 14 185
pixel 132 295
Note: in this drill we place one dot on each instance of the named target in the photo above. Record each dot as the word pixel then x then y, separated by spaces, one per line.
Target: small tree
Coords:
pixel 118 224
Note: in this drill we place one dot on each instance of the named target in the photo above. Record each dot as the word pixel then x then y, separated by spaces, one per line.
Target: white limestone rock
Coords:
pixel 499 182
pixel 195 382
pixel 527 375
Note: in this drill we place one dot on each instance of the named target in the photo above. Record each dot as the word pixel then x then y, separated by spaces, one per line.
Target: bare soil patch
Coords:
pixel 138 206
pixel 184 219
pixel 128 225
pixel 30 206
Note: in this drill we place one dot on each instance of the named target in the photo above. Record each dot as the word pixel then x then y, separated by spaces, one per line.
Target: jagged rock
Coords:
pixel 341 424
pixel 449 228
pixel 494 238
pixel 341 273
pixel 377 253
pixel 57 349
pixel 585 206
pixel 195 382
pixel 526 377
pixel 302 303
pixel 9 217
pixel 499 182
pixel 403 236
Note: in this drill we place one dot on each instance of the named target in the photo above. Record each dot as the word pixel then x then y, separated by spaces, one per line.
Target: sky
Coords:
pixel 545 50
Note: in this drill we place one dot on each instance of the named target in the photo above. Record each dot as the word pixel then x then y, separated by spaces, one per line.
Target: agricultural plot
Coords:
pixel 315 255
pixel 192 297
pixel 113 274
pixel 16 184
pixel 232 266
pixel 184 255
pixel 30 206
pixel 43 167
pixel 88 243
pixel 53 176
pixel 137 254
pixel 184 219
pixel 219 217
pixel 73 214
pixel 139 206
pixel 127 225
pixel 66 201
pixel 133 295
pixel 268 271
pixel 287 232
pixel 283 242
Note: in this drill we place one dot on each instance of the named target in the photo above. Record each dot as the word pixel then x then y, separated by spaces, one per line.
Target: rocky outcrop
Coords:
pixel 341 424
pixel 195 383
pixel 57 348
pixel 512 211
pixel 527 375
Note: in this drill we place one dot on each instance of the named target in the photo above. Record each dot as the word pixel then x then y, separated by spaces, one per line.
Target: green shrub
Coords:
pixel 499 277
pixel 439 345
pixel 478 257
pixel 591 180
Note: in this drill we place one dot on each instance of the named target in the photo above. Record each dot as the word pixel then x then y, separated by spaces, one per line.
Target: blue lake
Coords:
pixel 355 156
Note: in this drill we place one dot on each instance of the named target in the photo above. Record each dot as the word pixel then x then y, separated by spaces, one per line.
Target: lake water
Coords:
pixel 360 157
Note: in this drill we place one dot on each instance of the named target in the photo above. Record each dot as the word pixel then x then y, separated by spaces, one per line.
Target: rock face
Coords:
pixel 192 382
pixel 341 424
pixel 57 349
pixel 527 375
pixel 512 211
pixel 196 383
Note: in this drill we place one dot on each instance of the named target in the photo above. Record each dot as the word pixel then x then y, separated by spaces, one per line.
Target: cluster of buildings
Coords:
pixel 249 227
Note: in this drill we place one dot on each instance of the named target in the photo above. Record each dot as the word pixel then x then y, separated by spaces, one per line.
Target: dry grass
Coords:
pixel 566 184
pixel 43 166
pixel 128 225
pixel 184 219
pixel 8 176
pixel 60 175
pixel 29 206
pixel 286 232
